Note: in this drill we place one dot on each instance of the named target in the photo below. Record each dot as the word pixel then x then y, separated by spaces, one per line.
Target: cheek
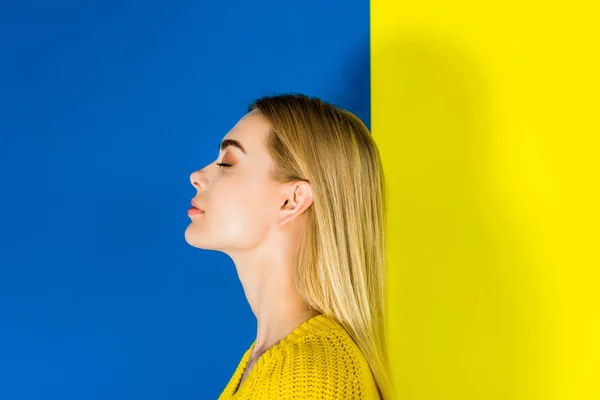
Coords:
pixel 241 214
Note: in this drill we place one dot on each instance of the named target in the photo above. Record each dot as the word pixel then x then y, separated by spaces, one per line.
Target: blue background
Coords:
pixel 107 108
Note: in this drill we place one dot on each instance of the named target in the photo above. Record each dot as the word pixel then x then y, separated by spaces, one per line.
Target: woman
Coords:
pixel 296 199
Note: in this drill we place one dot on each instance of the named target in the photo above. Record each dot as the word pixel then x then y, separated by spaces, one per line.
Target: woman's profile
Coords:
pixel 296 198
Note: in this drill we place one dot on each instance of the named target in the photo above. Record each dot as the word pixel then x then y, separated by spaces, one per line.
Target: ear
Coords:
pixel 298 196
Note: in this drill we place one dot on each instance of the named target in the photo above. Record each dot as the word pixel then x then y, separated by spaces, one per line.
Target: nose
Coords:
pixel 196 178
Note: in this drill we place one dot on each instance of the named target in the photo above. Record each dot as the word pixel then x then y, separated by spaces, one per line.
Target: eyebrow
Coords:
pixel 230 142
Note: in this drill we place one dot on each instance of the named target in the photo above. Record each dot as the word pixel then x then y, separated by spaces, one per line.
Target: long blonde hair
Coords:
pixel 342 258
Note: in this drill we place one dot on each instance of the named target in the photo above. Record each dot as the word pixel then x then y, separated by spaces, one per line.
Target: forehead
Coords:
pixel 250 132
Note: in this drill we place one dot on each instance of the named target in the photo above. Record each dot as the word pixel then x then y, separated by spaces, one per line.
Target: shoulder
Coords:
pixel 327 350
pixel 329 365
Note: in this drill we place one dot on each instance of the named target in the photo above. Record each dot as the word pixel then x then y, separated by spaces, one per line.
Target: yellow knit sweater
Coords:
pixel 317 360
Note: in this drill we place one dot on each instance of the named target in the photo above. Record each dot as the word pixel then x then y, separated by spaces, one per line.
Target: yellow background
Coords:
pixel 487 119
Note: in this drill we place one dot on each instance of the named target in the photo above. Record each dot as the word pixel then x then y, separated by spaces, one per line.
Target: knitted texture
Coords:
pixel 317 360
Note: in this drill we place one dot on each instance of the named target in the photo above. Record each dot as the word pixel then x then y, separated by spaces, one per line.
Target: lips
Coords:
pixel 196 206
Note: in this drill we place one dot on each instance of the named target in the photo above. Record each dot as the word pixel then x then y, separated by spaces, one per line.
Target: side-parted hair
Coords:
pixel 341 266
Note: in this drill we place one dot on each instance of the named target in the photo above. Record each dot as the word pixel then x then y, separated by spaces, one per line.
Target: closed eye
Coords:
pixel 224 165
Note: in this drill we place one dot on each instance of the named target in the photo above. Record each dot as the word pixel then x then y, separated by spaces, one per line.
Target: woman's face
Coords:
pixel 240 202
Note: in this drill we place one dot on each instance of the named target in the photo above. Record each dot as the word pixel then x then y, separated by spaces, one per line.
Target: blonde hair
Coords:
pixel 342 259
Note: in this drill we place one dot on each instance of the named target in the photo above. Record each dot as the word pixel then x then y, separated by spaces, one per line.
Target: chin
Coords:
pixel 191 238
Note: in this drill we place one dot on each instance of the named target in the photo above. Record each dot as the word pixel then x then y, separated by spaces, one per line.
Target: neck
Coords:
pixel 278 312
pixel 276 304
